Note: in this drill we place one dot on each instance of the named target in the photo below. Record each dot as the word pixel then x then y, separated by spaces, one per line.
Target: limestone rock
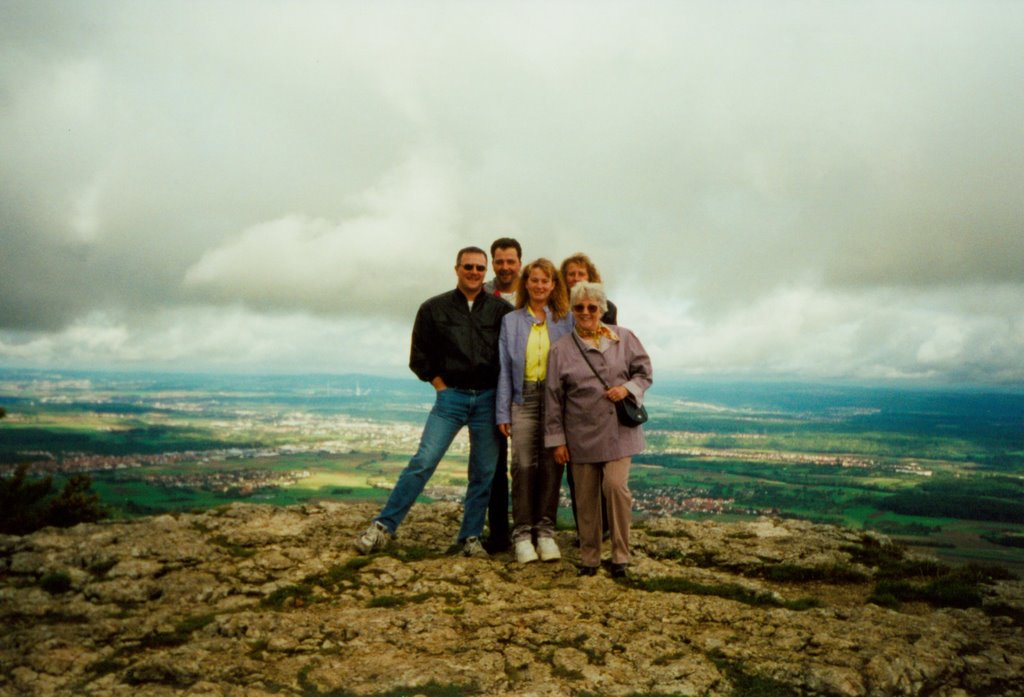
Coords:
pixel 255 600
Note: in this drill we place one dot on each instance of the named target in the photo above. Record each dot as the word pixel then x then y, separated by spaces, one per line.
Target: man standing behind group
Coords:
pixel 507 260
pixel 455 349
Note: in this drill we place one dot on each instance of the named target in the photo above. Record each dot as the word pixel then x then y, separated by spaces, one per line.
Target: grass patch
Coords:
pixel 746 683
pixel 397 600
pixel 55 582
pixel 1014 613
pixel 257 647
pixel 233 548
pixel 681 534
pixel 411 553
pixel 667 555
pixel 935 583
pixel 289 596
pixel 181 634
pixel 431 689
pixel 100 568
pixel 50 617
pixel 668 658
pixel 728 591
pixel 792 573
pixel 340 575
pixel 104 666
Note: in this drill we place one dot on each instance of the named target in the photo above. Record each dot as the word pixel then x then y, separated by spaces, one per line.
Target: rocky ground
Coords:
pixel 254 600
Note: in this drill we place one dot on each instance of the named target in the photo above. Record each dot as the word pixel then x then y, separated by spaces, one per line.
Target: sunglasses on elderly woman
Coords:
pixel 592 309
pixel 480 268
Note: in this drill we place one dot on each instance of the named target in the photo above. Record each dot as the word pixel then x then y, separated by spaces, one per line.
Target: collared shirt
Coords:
pixel 516 329
pixel 489 288
pixel 537 346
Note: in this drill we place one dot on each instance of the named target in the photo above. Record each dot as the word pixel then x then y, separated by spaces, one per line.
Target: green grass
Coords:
pixel 935 583
pixel 746 683
pixel 792 573
pixel 55 582
pixel 180 635
pixel 289 596
pixel 398 600
pixel 728 591
pixel 430 689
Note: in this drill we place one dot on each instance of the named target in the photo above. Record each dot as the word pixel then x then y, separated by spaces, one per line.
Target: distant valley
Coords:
pixel 935 469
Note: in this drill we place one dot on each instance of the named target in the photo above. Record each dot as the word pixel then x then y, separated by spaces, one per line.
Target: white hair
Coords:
pixel 587 290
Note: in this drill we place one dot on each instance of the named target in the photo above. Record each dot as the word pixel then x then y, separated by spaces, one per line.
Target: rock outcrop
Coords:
pixel 256 600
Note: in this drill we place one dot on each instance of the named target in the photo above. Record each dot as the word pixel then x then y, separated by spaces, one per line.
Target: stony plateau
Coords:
pixel 253 600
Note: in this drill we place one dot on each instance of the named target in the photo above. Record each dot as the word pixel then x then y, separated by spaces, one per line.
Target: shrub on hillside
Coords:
pixel 28 505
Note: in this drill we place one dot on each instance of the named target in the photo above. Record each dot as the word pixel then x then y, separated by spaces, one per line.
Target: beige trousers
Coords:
pixel 612 479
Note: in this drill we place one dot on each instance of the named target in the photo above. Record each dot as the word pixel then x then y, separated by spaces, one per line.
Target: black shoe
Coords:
pixel 496 546
pixel 587 571
pixel 619 571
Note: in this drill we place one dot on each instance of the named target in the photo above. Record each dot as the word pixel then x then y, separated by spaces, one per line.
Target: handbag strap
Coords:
pixel 584 354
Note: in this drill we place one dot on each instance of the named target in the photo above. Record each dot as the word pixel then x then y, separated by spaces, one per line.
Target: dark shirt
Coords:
pixel 457 344
pixel 612 316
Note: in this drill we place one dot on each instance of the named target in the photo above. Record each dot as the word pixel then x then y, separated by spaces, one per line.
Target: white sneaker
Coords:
pixel 548 549
pixel 525 553
pixel 472 548
pixel 375 538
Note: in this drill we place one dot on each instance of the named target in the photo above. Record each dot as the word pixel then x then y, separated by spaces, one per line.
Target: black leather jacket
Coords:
pixel 459 345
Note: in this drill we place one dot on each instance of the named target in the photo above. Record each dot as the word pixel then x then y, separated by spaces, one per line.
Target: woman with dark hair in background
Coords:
pixel 578 268
pixel 574 269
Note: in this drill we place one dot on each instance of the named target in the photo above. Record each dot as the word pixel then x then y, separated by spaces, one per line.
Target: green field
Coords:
pixel 352 477
pixel 943 471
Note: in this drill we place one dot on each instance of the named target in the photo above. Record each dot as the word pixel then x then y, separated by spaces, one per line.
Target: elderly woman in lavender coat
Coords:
pixel 581 424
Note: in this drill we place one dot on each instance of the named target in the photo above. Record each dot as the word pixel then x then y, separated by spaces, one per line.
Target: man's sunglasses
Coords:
pixel 592 309
pixel 480 268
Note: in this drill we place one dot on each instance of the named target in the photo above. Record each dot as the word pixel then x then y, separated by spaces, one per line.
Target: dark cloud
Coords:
pixel 162 159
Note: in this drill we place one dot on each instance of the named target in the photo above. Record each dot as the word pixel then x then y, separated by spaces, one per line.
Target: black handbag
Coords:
pixel 629 412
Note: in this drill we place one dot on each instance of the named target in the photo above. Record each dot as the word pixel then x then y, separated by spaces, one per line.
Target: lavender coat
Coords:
pixel 577 413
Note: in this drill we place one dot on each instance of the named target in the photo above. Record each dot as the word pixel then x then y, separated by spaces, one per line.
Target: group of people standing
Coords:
pixel 534 357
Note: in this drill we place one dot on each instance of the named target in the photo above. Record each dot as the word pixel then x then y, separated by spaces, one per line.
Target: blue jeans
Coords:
pixel 453 409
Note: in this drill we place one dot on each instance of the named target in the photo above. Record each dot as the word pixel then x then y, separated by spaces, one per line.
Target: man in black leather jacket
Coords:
pixel 455 349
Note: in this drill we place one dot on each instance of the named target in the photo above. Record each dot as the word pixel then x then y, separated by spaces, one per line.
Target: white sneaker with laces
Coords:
pixel 375 538
pixel 525 553
pixel 472 548
pixel 548 549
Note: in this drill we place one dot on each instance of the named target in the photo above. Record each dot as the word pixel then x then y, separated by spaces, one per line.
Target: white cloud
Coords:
pixel 973 335
pixel 796 185
pixel 231 339
pixel 400 235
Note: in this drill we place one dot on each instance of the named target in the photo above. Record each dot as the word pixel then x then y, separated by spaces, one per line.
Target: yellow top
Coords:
pixel 537 346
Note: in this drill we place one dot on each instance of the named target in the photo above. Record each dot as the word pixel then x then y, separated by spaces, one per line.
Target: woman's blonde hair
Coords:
pixel 558 301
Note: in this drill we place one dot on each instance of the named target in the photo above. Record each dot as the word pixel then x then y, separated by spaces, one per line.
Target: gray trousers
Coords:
pixel 612 479
pixel 536 477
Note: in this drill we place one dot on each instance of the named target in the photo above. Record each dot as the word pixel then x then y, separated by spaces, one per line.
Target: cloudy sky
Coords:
pixel 822 190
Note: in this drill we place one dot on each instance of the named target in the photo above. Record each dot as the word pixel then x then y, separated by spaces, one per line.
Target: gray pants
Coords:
pixel 612 479
pixel 536 477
